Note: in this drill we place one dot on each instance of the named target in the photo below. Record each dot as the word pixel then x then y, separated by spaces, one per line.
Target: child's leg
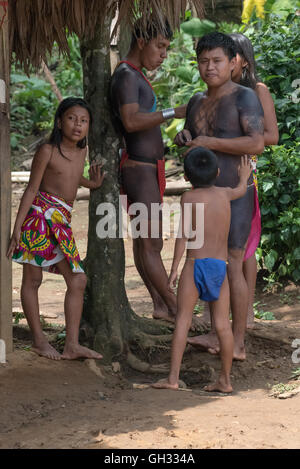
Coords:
pixel 187 297
pixel 220 314
pixel 76 284
pixel 32 279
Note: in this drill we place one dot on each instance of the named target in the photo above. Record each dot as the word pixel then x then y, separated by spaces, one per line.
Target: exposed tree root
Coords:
pixel 147 341
pixel 136 364
pixel 151 326
pixel 144 367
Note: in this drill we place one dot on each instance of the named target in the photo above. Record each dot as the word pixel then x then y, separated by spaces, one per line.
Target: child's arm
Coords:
pixel 245 170
pixel 39 164
pixel 180 245
pixel 96 177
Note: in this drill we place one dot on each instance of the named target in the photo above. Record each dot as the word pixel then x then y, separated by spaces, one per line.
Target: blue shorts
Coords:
pixel 209 275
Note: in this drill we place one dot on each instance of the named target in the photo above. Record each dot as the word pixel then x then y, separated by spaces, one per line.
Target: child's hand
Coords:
pixel 96 175
pixel 14 243
pixel 245 168
pixel 172 280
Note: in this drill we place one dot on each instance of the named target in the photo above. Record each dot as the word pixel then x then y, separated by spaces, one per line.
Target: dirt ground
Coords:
pixel 83 404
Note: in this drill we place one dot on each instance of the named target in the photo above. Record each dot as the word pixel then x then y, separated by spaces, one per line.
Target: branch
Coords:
pixel 50 79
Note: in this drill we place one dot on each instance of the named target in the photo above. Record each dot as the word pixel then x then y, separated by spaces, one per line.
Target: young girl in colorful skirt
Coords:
pixel 42 238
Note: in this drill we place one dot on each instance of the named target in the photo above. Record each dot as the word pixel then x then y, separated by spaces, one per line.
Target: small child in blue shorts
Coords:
pixel 204 272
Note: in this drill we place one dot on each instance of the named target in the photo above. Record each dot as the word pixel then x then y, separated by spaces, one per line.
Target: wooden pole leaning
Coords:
pixel 5 185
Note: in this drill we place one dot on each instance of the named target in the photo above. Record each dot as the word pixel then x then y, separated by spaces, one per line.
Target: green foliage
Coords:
pixel 33 103
pixel 279 195
pixel 276 44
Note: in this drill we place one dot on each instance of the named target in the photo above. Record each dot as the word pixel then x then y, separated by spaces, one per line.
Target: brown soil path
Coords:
pixel 47 404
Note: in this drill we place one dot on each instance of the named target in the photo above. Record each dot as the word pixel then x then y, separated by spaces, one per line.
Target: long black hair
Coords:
pixel 244 48
pixel 56 135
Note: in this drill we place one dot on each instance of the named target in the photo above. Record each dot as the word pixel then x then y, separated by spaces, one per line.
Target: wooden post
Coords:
pixel 5 184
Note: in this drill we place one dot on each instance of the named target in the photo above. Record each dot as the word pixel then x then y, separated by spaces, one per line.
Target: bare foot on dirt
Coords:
pixel 164 384
pixel 219 387
pixel 77 351
pixel 206 343
pixel 164 315
pixel 239 354
pixel 46 350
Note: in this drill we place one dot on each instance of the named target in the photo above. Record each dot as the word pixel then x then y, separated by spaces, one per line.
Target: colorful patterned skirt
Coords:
pixel 46 235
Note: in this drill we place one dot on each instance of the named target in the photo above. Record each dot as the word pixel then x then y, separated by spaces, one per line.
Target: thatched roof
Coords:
pixel 36 24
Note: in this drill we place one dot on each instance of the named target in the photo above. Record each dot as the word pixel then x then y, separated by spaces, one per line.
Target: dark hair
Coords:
pixel 201 167
pixel 65 104
pixel 213 40
pixel 150 31
pixel 245 49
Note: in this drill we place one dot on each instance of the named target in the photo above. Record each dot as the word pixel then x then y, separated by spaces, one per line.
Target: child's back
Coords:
pixel 204 273
pixel 216 221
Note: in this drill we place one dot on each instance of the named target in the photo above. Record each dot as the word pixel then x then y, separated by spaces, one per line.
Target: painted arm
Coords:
pixel 132 118
pixel 136 121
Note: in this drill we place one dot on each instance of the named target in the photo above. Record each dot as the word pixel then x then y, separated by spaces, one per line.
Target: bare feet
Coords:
pixel 164 384
pixel 206 343
pixel 239 353
pixel 77 351
pixel 164 315
pixel 219 386
pixel 44 349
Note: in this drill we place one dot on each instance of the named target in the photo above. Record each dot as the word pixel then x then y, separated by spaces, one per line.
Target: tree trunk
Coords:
pixel 109 320
pixel 106 307
pixel 223 10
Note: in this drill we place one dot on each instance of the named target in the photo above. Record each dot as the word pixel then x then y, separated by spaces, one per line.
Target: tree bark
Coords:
pixel 114 329
pixel 106 307
pixel 223 10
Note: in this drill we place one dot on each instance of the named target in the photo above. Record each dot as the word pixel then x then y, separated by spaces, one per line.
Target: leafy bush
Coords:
pixel 33 103
pixel 279 195
pixel 277 54
pixel 276 44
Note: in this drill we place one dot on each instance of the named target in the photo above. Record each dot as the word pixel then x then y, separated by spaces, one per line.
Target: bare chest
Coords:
pixel 214 118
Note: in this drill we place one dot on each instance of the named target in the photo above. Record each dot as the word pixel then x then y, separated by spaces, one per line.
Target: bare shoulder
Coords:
pixel 262 90
pixel 223 192
pixel 197 98
pixel 244 92
pixel 186 196
pixel 44 152
pixel 45 149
